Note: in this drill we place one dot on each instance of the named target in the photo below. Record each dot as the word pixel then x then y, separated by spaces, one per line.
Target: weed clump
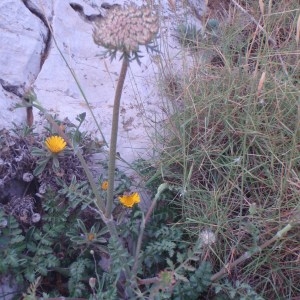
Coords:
pixel 232 150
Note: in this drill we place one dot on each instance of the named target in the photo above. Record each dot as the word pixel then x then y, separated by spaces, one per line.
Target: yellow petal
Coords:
pixel 104 185
pixel 130 200
pixel 55 144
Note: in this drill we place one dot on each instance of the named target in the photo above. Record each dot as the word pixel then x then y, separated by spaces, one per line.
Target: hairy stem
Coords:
pixel 161 188
pixel 114 137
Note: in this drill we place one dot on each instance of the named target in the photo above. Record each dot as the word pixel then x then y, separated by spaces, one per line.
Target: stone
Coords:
pixel 31 60
pixel 22 42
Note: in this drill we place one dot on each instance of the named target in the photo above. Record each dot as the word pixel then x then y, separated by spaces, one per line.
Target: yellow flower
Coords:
pixel 55 144
pixel 130 200
pixel 90 237
pixel 104 185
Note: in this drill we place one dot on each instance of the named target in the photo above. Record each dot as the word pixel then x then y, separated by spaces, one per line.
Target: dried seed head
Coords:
pixel 35 218
pixel 28 177
pixel 42 188
pixel 92 282
pixel 126 28
pixel 207 237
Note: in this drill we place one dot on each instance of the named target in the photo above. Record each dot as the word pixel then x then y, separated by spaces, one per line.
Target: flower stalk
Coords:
pixel 123 29
pixel 114 138
pixel 160 190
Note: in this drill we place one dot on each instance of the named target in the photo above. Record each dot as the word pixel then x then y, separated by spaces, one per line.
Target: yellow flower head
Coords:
pixel 104 185
pixel 55 144
pixel 130 200
pixel 90 237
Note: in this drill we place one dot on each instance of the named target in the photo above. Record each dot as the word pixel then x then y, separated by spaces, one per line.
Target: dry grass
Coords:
pixel 234 147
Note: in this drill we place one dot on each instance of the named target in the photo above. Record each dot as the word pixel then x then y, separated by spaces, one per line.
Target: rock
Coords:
pixel 8 287
pixel 28 65
pixel 22 42
pixel 8 114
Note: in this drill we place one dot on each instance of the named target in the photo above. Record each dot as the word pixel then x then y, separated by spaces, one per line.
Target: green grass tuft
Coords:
pixel 232 148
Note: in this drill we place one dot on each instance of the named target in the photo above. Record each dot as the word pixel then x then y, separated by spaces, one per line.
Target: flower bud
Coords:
pixel 92 282
pixel 28 177
pixel 35 218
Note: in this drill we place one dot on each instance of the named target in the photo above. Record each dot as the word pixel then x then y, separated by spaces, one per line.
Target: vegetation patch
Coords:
pixel 234 149
pixel 223 216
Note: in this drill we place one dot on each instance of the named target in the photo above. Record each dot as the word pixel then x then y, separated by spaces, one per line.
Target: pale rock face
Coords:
pixel 22 40
pixel 22 43
pixel 9 115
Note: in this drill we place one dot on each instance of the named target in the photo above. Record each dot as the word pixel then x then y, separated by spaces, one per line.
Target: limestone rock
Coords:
pixel 26 65
pixel 22 37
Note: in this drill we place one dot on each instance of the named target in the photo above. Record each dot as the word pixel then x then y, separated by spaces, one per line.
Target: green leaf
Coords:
pixel 30 275
pixel 95 228
pixel 194 258
pixel 40 167
pixel 101 240
pixel 4 241
pixel 180 257
pixel 17 239
pixel 42 270
pixel 35 151
pixel 170 264
pixel 81 226
pixel 189 268
pixel 44 250
pixel 181 277
pixel 31 246
pixel 55 162
pixel 81 117
pixel 103 231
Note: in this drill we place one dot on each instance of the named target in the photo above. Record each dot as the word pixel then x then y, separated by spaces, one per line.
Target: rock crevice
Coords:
pixel 25 44
pixel 35 10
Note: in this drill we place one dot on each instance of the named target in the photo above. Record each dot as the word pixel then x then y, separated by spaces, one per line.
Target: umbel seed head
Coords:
pixel 126 28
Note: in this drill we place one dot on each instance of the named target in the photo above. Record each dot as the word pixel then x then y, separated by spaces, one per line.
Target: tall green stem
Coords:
pixel 160 190
pixel 114 137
